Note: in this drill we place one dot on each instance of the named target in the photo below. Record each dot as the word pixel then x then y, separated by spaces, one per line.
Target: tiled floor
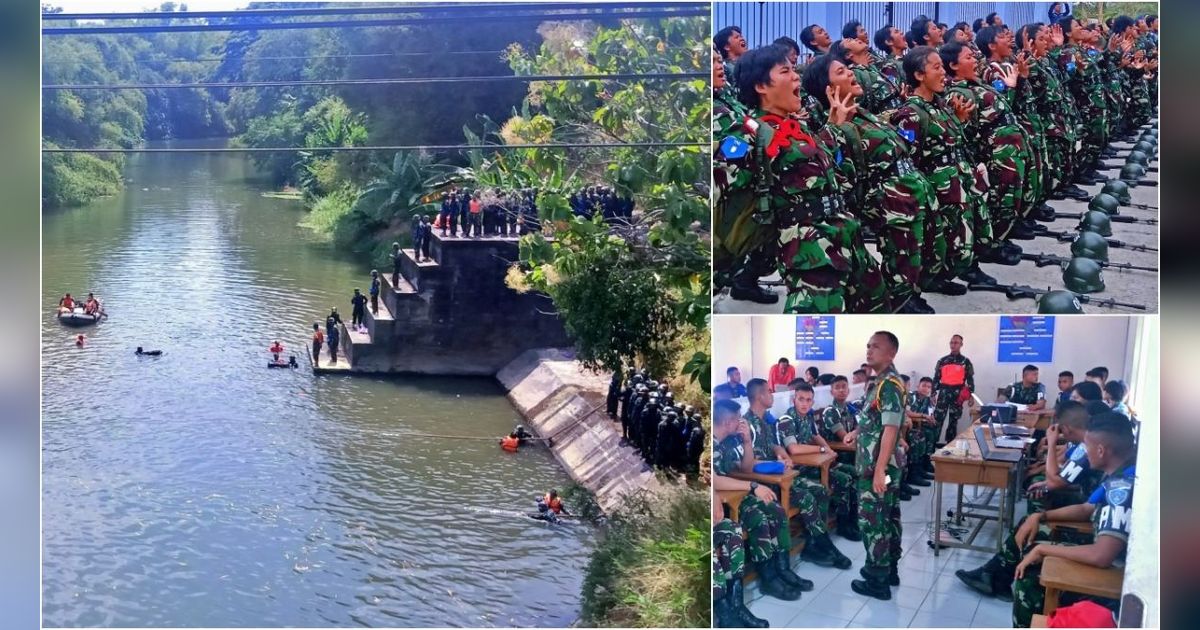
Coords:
pixel 929 595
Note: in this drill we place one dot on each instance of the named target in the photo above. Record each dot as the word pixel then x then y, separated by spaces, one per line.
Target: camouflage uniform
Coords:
pixel 1112 517
pixel 881 92
pixel 879 515
pixel 1024 104
pixel 833 418
pixel 1086 86
pixel 948 409
pixel 765 523
pixel 821 257
pixel 999 144
pixel 736 234
pixel 729 556
pixel 937 152
pixel 802 430
pixel 920 442
pixel 1021 395
pixel 1052 102
pixel 807 495
pixel 891 195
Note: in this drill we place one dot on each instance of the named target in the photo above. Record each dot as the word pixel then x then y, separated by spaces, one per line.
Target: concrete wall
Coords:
pixel 463 320
pixel 755 343
pixel 560 400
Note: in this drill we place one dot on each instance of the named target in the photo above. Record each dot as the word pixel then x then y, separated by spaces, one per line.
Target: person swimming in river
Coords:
pixel 147 353
pixel 290 363
pixel 79 341
pixel 549 507
pixel 519 437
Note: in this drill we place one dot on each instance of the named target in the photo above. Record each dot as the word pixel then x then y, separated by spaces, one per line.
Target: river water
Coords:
pixel 201 489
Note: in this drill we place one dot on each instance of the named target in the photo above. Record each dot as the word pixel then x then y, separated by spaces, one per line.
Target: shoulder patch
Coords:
pixel 734 148
pixel 908 134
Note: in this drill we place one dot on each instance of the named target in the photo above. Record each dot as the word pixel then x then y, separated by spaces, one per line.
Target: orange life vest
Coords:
pixel 554 504
pixel 510 443
pixel 954 374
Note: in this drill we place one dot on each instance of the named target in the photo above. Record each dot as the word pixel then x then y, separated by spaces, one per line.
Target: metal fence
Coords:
pixel 763 22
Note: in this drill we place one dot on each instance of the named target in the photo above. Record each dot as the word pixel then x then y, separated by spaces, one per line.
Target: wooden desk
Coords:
pixel 1060 574
pixel 819 460
pixel 783 481
pixel 734 499
pixel 1039 621
pixel 973 470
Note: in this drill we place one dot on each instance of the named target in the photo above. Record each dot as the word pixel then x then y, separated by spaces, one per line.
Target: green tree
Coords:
pixel 664 257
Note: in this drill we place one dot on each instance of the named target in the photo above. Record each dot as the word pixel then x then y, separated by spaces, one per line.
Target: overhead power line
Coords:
pixel 652 76
pixel 361 10
pixel 401 147
pixel 286 57
pixel 493 18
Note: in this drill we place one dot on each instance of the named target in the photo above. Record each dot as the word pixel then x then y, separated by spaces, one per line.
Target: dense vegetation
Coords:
pixel 635 295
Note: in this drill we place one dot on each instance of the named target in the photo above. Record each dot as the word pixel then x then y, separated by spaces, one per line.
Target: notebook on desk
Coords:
pixel 997 454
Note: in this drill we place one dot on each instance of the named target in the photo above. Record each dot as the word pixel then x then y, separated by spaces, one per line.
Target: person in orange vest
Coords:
pixel 276 349
pixel 66 304
pixel 549 507
pixel 510 442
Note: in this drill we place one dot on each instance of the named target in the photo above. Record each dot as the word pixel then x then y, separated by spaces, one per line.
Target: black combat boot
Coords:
pixel 875 585
pixel 893 577
pixel 980 579
pixel 914 476
pixel 908 488
pixel 927 467
pixel 723 616
pixel 904 492
pixel 840 561
pixel 1002 581
pixel 741 616
pixel 847 526
pixel 975 275
pixel 746 287
pixel 946 286
pixel 772 585
pixel 785 571
pixel 815 553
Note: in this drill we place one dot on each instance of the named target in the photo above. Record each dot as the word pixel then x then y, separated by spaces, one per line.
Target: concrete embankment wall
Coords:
pixel 562 401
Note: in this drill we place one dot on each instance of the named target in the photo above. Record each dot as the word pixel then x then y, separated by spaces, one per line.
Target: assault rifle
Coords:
pixel 1014 292
pixel 1044 260
pixel 1113 218
pixel 1113 167
pixel 1067 237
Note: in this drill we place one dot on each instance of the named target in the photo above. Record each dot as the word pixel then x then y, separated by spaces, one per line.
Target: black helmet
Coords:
pixel 1059 303
pixel 1145 146
pixel 1090 245
pixel 652 384
pixel 1118 189
pixel 1137 157
pixel 1132 173
pixel 642 389
pixel 1095 221
pixel 663 387
pixel 1106 203
pixel 689 410
pixel 1153 131
pixel 1082 275
pixel 636 378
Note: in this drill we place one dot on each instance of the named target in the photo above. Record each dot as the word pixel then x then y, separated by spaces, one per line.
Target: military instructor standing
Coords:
pixel 954 377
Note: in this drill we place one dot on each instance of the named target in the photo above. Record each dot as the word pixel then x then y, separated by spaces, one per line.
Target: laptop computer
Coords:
pixel 989 453
pixel 1003 416
pixel 1005 441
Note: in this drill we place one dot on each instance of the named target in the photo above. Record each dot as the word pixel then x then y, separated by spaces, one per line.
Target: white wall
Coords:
pixel 1080 343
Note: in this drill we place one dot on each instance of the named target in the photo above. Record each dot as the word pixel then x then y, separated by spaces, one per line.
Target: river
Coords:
pixel 201 489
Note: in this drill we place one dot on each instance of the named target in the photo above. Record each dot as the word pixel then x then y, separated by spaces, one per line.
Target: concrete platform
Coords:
pixel 325 366
pixel 1139 287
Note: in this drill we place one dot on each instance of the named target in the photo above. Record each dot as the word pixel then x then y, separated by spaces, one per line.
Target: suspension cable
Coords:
pixel 393 148
pixel 538 17
pixel 286 57
pixel 650 76
pixel 359 10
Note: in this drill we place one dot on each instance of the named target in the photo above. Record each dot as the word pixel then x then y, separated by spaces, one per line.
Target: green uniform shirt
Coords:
pixel 836 417
pixel 1021 395
pixel 795 428
pixel 727 455
pixel 883 406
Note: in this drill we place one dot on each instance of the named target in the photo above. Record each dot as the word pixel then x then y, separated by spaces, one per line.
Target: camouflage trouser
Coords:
pixel 1052 500
pixel 1006 168
pixel 981 214
pixel 1140 103
pixel 951 251
pixel 1033 191
pixel 827 269
pixel 766 526
pixel 1029 597
pixel 897 212
pixel 841 485
pixel 879 522
pixel 1058 162
pixel 916 444
pixel 1095 135
pixel 812 499
pixel 729 556
pixel 950 409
